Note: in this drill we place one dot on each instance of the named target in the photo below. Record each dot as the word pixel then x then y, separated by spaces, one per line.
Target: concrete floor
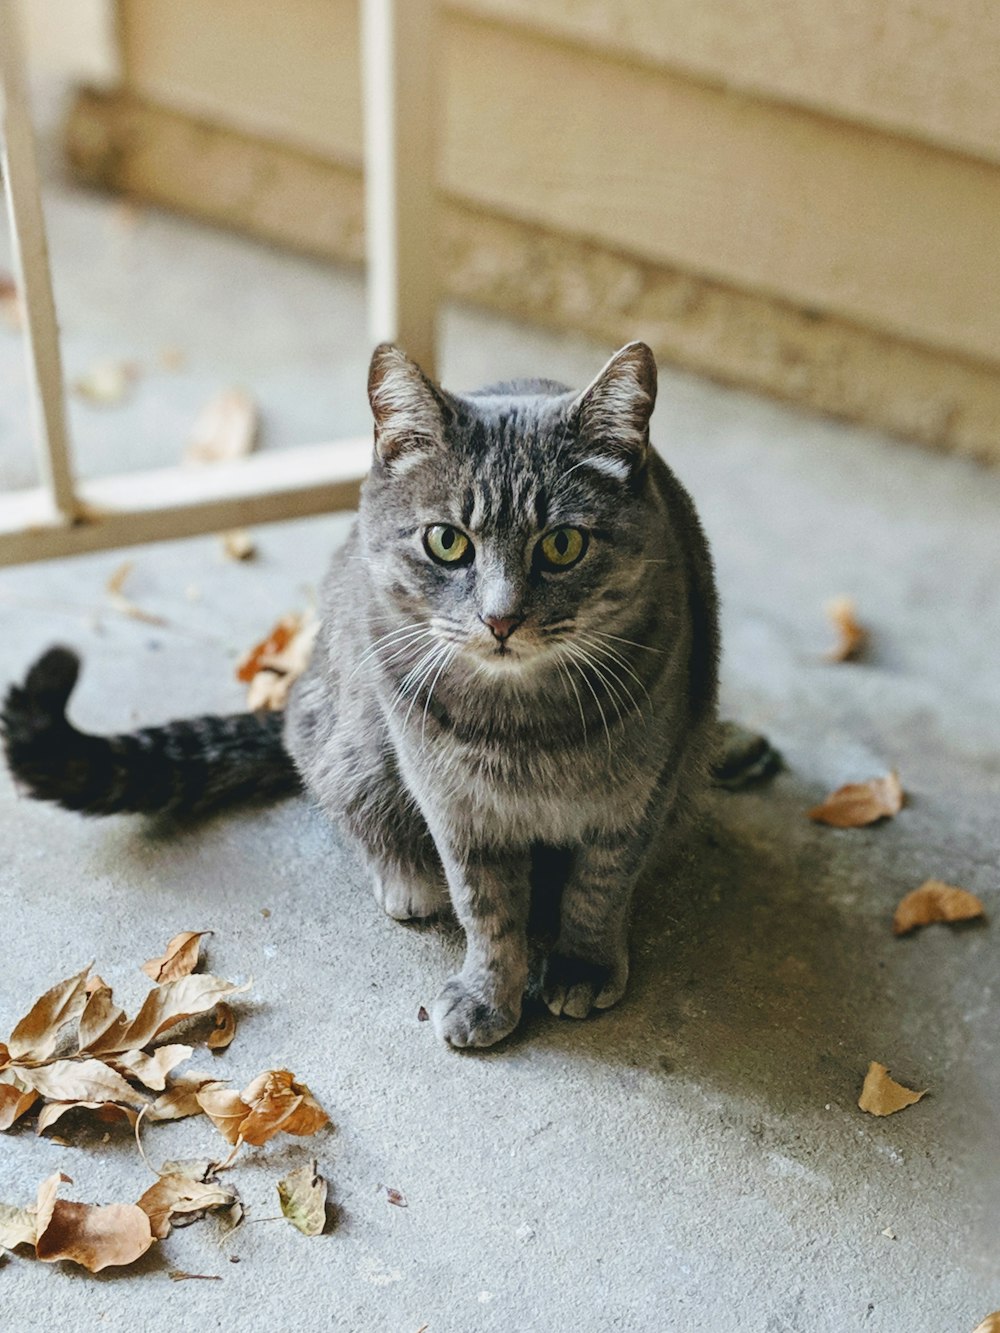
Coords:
pixel 693 1160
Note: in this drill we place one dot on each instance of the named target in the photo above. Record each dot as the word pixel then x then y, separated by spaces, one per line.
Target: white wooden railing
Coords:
pixel 66 516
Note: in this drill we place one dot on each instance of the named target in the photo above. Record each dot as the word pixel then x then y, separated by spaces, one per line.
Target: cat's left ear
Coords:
pixel 410 410
pixel 613 412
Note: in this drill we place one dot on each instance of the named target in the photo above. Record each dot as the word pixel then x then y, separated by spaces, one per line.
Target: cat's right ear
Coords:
pixel 409 409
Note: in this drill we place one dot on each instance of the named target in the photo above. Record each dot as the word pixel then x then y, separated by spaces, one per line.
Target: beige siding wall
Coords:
pixel 930 68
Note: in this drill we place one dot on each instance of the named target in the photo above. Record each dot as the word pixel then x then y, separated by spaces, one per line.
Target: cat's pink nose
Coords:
pixel 502 627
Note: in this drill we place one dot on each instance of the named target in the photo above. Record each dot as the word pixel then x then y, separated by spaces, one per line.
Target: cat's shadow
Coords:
pixel 759 970
pixel 758 967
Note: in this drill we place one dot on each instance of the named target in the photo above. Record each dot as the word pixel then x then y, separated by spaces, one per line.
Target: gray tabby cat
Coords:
pixel 512 694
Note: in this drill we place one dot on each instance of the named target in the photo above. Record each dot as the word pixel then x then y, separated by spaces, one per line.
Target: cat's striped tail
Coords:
pixel 182 768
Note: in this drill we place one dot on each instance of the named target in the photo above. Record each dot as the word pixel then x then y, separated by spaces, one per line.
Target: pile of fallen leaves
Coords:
pixel 77 1050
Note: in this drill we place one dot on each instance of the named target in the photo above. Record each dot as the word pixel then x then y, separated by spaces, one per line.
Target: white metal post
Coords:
pixel 31 263
pixel 399 43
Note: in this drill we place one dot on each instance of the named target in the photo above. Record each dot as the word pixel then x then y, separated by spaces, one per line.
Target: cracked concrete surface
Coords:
pixel 694 1159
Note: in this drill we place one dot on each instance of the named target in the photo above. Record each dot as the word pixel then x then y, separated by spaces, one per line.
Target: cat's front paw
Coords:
pixel 575 986
pixel 409 895
pixel 463 1017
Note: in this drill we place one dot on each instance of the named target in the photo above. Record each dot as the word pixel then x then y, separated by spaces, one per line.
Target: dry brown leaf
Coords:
pixel 106 1111
pixel 224 1031
pixel 37 1034
pixel 152 1070
pixel 15 1099
pixel 102 1021
pixel 303 1199
pixel 167 1005
pixel 239 545
pixel 79 1081
pixel 882 1095
pixel 861 803
pixel 94 1236
pixel 852 638
pixel 226 429
pixel 935 901
pixel 107 382
pixel 124 604
pixel 180 1100
pixel 17 1226
pixel 191 1168
pixel 273 666
pixel 180 958
pixel 176 1196
pixel 225 1108
pixel 273 1103
pixel 991 1324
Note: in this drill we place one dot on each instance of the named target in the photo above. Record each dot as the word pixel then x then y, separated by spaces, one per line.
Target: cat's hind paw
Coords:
pixel 574 987
pixel 463 1018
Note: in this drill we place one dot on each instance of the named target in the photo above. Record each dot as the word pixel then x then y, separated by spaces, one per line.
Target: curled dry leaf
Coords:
pixel 152 1070
pixel 180 1099
pixel 179 959
pixel 102 1021
pixel 935 901
pixel 991 1324
pixel 37 1034
pixel 238 544
pixel 104 1111
pixel 882 1095
pixel 116 596
pixel 273 665
pixel 94 1236
pixel 106 382
pixel 226 429
pixel 273 1103
pixel 191 1168
pixel 15 1099
pixel 17 1226
pixel 303 1199
pixel 178 1196
pixel 861 803
pixel 167 1005
pixel 224 1031
pixel 80 1081
pixel 852 638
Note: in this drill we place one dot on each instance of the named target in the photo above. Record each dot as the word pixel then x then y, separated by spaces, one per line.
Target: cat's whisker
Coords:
pixel 632 643
pixel 602 674
pixel 586 680
pixel 448 659
pixel 405 634
pixel 604 651
pixel 568 679
pixel 437 655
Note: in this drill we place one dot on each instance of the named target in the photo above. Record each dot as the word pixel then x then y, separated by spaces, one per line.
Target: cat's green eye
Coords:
pixel 562 547
pixel 447 545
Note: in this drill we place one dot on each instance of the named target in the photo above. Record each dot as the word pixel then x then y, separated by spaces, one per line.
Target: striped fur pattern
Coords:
pixel 183 768
pixel 534 769
pixel 496 734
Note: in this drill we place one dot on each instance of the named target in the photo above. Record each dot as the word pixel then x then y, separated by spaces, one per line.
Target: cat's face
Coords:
pixel 508 527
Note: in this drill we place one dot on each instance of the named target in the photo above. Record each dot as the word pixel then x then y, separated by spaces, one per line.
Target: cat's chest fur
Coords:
pixel 517 792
